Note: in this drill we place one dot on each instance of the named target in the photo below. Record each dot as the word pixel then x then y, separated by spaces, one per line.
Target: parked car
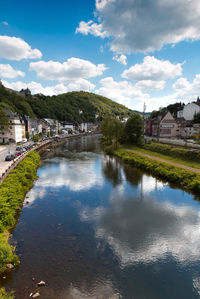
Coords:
pixel 18 154
pixel 9 157
pixel 18 148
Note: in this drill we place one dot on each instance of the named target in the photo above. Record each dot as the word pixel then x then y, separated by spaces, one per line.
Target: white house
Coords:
pixel 16 129
pixel 189 111
pixel 84 127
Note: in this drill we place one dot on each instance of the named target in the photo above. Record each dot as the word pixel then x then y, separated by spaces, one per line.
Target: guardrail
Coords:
pixel 18 159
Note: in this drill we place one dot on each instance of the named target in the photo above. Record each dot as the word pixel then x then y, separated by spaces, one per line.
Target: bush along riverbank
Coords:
pixel 187 180
pixel 176 152
pixel 12 193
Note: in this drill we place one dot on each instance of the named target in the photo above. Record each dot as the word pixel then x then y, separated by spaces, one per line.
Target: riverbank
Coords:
pixel 185 178
pixel 12 193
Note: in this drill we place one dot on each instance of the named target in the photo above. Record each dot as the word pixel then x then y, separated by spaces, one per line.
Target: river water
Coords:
pixel 95 227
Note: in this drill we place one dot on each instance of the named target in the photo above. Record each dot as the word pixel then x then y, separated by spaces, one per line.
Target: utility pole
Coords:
pixel 144 108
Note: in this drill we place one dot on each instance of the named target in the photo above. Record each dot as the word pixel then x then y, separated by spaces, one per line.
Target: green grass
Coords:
pixel 185 179
pixel 182 161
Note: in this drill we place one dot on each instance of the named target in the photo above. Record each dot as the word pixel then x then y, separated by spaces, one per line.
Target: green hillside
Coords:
pixel 62 107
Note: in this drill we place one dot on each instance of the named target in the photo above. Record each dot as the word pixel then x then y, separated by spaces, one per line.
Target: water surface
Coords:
pixel 98 228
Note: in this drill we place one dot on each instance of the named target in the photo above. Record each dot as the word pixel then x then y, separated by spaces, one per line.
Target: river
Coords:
pixel 97 228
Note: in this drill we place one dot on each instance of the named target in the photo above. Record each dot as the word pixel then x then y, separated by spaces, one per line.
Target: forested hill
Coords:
pixel 71 106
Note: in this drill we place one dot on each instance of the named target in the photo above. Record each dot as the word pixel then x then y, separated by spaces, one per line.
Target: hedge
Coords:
pixel 173 151
pixel 12 193
pixel 189 181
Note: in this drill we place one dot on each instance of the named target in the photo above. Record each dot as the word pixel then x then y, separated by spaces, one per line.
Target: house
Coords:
pixel 16 129
pixel 31 125
pixel 165 126
pixel 44 127
pixel 53 124
pixel 84 127
pixel 66 126
pixel 189 111
pixel 190 130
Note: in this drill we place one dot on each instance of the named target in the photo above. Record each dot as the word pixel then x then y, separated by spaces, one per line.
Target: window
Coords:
pixel 10 127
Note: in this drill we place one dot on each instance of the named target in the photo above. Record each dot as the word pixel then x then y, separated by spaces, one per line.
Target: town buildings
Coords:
pixel 15 131
pixel 182 125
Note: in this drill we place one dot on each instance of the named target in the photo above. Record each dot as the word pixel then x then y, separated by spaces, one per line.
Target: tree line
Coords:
pixel 115 132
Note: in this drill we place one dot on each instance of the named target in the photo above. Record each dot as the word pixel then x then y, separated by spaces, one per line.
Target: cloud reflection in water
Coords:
pixel 147 230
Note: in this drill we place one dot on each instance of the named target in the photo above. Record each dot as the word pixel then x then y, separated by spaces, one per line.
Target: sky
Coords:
pixel 131 51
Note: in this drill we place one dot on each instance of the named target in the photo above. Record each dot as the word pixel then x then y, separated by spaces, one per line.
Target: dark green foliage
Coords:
pixel 27 135
pixel 65 107
pixel 111 130
pixel 186 179
pixel 173 151
pixel 133 130
pixel 35 138
pixel 3 120
pixel 12 193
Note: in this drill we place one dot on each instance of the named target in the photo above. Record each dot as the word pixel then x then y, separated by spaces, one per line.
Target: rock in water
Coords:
pixel 36 295
pixel 9 266
pixel 41 283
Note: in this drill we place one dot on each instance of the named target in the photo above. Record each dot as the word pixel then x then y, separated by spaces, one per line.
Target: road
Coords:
pixel 4 151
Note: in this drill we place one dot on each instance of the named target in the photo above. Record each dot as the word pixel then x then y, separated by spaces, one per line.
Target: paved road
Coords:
pixel 4 151
pixel 166 161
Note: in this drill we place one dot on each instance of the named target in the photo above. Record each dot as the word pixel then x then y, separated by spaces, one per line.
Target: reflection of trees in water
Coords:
pixel 112 171
pixel 133 175
pixel 69 147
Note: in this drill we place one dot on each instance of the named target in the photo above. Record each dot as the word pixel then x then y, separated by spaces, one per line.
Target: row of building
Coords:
pixel 19 126
pixel 175 126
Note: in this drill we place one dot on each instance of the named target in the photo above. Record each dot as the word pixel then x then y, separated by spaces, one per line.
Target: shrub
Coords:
pixel 184 178
pixel 5 295
pixel 174 151
pixel 12 193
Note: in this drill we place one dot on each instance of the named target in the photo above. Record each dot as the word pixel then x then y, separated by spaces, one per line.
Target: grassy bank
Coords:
pixel 179 159
pixel 12 193
pixel 175 152
pixel 188 180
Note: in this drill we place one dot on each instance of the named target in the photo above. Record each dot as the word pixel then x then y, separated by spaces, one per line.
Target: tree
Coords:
pixel 133 129
pixel 27 135
pixel 112 130
pixel 4 123
pixel 36 138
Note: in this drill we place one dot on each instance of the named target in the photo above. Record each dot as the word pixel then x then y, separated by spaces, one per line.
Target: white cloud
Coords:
pixel 142 26
pixel 14 48
pixel 122 92
pixel 92 28
pixel 81 84
pixel 5 23
pixel 7 71
pixel 121 59
pixel 168 229
pixel 186 90
pixel 36 87
pixel 147 85
pixel 72 69
pixel 79 175
pixel 153 69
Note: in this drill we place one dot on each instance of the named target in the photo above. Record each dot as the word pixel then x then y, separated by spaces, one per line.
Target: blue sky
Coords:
pixel 132 51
